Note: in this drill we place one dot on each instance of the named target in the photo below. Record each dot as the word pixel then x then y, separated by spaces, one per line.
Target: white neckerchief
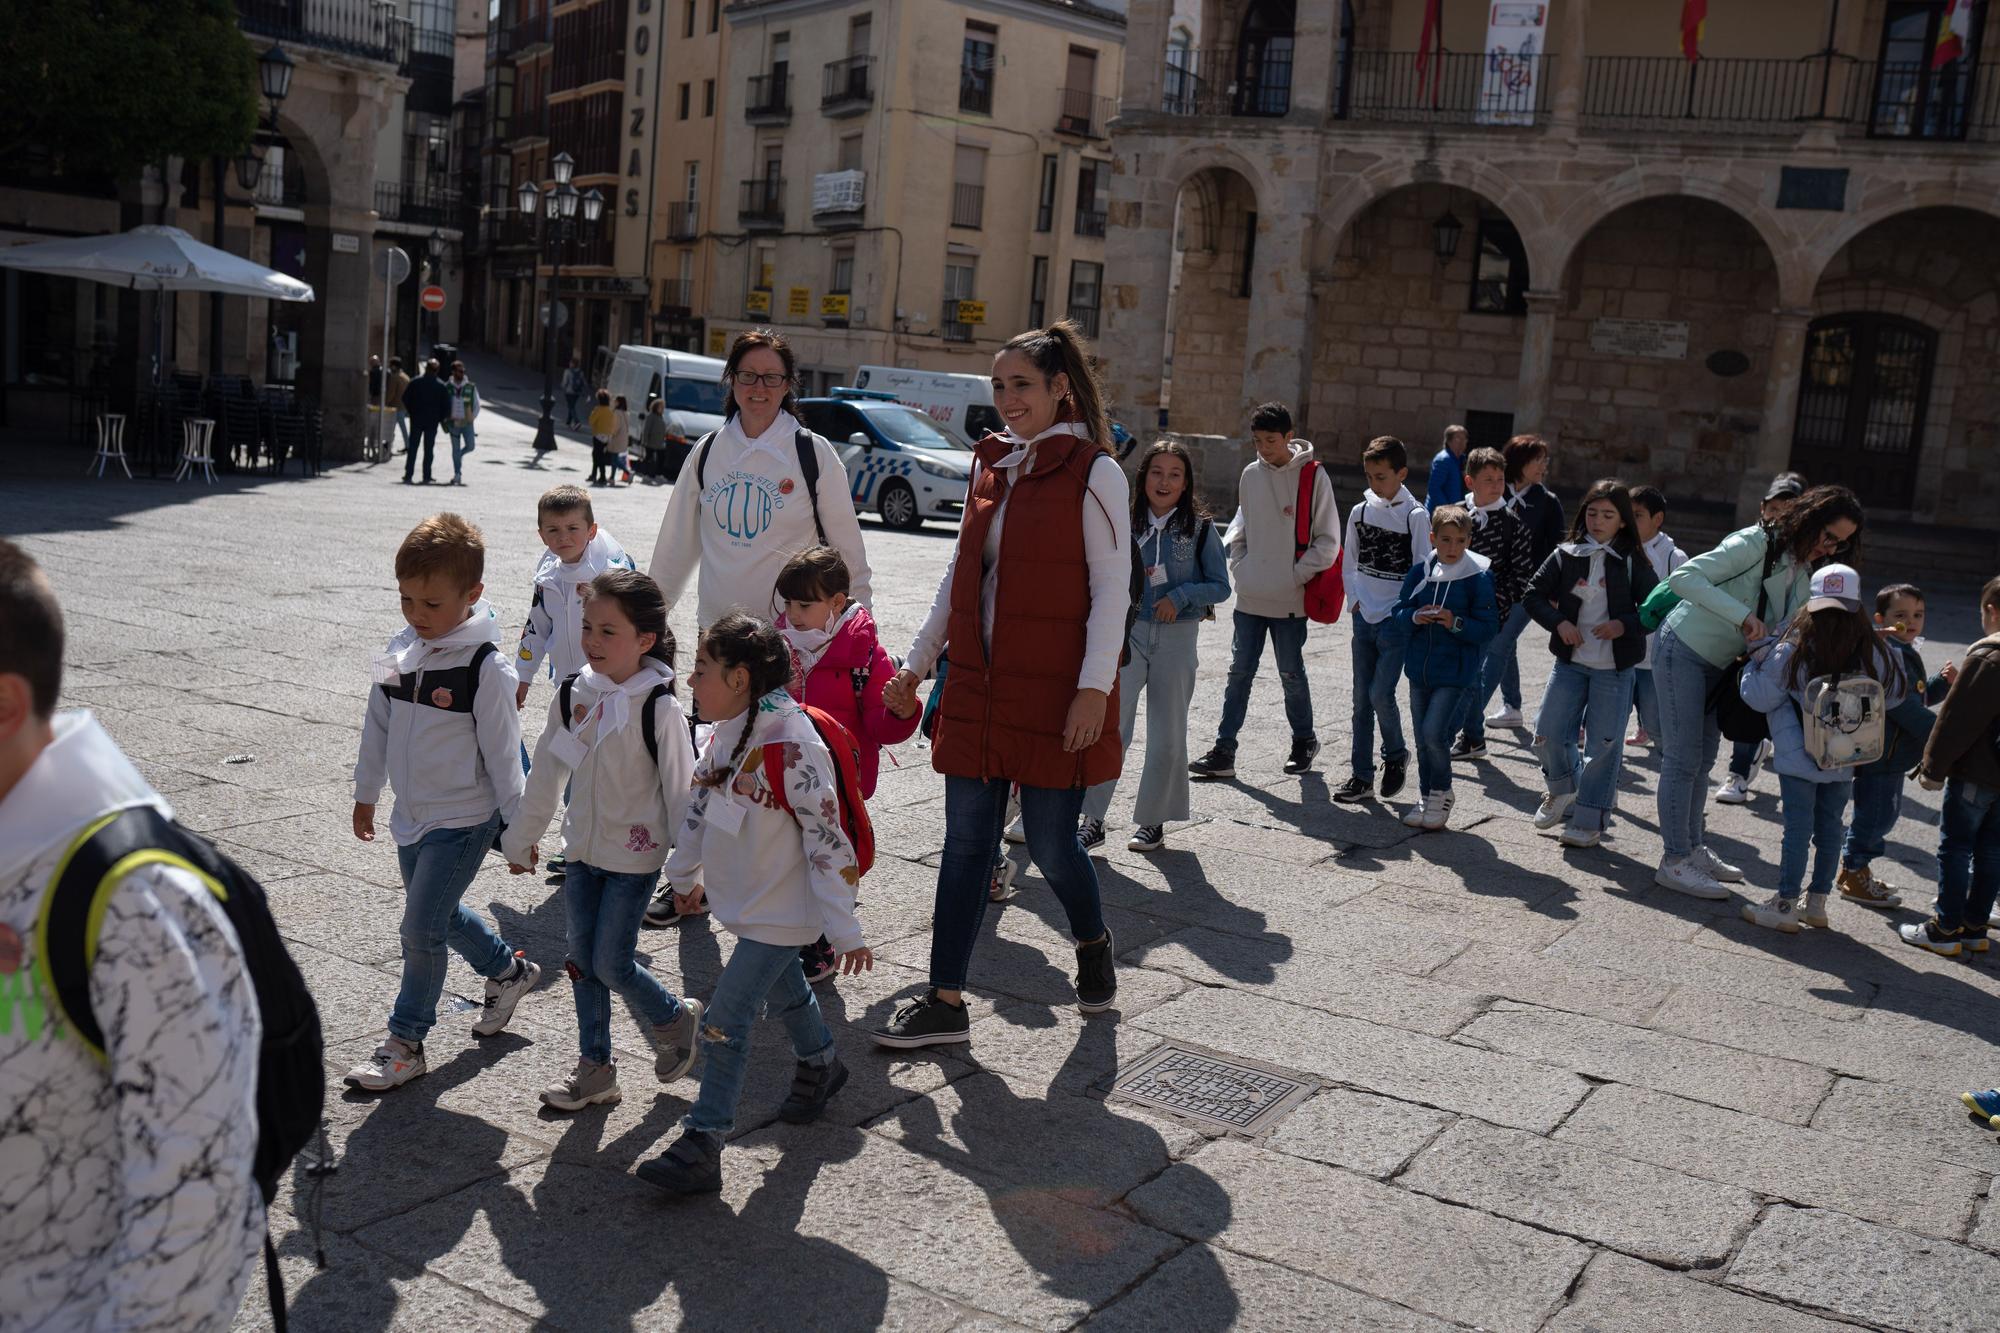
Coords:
pixel 614 700
pixel 809 645
pixel 1480 513
pixel 783 427
pixel 1588 545
pixel 1017 459
pixel 1438 573
pixel 391 665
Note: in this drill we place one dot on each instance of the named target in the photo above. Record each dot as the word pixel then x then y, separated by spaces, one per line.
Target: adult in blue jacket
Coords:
pixel 1446 615
pixel 1446 485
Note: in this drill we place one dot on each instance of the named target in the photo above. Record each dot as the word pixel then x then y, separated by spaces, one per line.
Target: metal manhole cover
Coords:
pixel 1222 1093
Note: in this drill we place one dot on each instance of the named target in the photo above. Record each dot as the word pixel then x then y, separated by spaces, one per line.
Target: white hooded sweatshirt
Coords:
pixel 129 1198
pixel 1266 568
pixel 554 628
pixel 447 741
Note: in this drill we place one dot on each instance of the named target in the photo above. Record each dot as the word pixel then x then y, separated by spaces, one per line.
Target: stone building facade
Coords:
pixel 1692 272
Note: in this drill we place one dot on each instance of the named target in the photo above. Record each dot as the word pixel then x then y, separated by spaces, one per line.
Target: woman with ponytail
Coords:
pixel 1030 616
pixel 779 872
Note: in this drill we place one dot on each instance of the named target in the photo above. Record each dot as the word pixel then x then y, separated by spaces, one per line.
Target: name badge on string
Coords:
pixel 725 812
pixel 568 749
pixel 1157 576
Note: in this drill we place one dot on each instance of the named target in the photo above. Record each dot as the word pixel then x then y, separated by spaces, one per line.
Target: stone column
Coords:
pixel 334 350
pixel 1571 63
pixel 1315 39
pixel 1135 304
pixel 1146 30
pixel 1538 355
pixel 1278 346
pixel 1781 410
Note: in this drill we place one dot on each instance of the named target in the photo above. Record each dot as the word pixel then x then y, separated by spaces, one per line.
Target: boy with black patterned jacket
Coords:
pixel 1501 535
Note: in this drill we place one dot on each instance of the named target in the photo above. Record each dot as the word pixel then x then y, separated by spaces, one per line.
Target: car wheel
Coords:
pixel 898 506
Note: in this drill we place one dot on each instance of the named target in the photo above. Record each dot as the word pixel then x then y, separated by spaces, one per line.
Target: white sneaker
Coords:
pixel 1687 876
pixel 1553 810
pixel 1733 791
pixel 394 1063
pixel 1814 912
pixel 1017 831
pixel 1437 811
pixel 1414 816
pixel 1716 867
pixel 1505 717
pixel 502 996
pixel 1582 837
pixel 1775 913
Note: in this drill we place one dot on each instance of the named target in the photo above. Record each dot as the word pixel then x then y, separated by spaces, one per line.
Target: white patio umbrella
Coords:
pixel 159 259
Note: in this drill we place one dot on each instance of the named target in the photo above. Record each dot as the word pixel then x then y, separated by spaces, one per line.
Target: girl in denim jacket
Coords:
pixel 1187 573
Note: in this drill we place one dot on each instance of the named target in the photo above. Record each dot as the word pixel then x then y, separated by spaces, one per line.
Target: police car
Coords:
pixel 899 464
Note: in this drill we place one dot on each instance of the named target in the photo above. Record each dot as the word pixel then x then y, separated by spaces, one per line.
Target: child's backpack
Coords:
pixel 291 1073
pixel 1326 591
pixel 648 715
pixel 1845 720
pixel 846 752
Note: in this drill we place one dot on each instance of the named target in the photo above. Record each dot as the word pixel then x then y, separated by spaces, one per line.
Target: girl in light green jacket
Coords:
pixel 1718 619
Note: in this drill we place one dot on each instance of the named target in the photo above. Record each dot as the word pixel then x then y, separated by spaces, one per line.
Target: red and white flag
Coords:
pixel 1694 24
pixel 1430 51
pixel 1951 33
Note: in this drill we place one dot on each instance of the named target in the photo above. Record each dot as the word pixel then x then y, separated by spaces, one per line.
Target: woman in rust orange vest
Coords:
pixel 1030 617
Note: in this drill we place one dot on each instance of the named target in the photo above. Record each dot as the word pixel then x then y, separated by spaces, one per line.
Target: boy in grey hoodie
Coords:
pixel 1270 573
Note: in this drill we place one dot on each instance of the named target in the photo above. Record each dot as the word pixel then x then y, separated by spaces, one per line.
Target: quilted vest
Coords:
pixel 1004 710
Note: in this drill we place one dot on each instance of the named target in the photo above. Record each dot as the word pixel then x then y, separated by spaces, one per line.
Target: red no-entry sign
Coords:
pixel 432 299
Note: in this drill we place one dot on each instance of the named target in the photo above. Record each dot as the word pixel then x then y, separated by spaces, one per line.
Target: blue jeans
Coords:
pixel 757 977
pixel 1878 802
pixel 1498 670
pixel 1288 645
pixel 1646 702
pixel 1377 669
pixel 1599 700
pixel 1689 740
pixel 604 907
pixel 1742 754
pixel 462 443
pixel 437 870
pixel 402 428
pixel 975 812
pixel 1434 721
pixel 1968 855
pixel 1813 813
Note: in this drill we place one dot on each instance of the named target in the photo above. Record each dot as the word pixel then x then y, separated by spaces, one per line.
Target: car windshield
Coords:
pixel 703 396
pixel 907 426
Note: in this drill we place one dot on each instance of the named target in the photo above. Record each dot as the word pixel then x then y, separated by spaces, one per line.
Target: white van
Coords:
pixel 692 386
pixel 961 404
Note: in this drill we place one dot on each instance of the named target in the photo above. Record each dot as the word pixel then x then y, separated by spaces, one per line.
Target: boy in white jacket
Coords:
pixel 1388 535
pixel 443 731
pixel 578 552
pixel 1269 574
pixel 779 872
pixel 130 1198
pixel 1649 516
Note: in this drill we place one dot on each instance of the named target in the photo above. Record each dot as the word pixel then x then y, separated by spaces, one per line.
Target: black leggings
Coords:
pixel 598 463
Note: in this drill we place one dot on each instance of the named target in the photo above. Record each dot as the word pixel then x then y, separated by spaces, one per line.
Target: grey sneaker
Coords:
pixel 502 996
pixel 674 1043
pixel 587 1085
pixel 394 1063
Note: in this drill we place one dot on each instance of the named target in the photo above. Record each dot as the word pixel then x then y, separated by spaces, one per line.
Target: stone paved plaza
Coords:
pixel 1544 1094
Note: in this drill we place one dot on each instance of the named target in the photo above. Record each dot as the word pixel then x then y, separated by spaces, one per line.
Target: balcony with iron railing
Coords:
pixel 839 199
pixel 762 204
pixel 968 205
pixel 683 220
pixel 370 29
pixel 419 205
pixel 770 100
pixel 530 36
pixel 1453 88
pixel 1090 221
pixel 1085 114
pixel 1218 81
pixel 847 87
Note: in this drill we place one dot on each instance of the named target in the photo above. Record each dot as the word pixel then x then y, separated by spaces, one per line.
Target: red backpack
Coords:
pixel 1326 591
pixel 846 752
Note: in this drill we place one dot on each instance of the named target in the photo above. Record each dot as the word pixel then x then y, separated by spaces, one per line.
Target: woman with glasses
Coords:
pixel 1730 598
pixel 756 493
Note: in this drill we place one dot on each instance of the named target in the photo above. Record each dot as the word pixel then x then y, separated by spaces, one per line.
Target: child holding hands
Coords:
pixel 617 737
pixel 779 872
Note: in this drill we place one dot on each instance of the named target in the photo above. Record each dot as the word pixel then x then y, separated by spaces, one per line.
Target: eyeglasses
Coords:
pixel 750 379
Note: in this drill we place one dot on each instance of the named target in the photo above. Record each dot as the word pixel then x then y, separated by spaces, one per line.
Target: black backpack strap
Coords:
pixel 701 460
pixel 72 908
pixel 649 724
pixel 473 670
pixel 562 694
pixel 809 467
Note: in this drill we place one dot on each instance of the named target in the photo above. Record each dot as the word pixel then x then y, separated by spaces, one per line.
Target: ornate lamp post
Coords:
pixel 559 207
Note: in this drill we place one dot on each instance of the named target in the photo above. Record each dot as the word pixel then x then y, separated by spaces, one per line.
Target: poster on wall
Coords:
pixel 1510 84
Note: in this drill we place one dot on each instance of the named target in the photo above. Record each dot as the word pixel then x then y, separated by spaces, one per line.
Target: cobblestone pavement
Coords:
pixel 1545 1094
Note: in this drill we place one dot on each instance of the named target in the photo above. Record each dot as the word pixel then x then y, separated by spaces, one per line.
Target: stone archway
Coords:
pixel 1208 301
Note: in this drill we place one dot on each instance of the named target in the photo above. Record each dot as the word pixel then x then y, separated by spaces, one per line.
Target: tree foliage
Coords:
pixel 110 85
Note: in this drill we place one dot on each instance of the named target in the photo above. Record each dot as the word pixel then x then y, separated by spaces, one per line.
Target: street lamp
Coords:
pixel 250 167
pixel 274 72
pixel 1444 236
pixel 559 205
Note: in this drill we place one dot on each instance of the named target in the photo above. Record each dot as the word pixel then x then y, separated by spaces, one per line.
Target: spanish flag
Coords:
pixel 1951 33
pixel 1694 23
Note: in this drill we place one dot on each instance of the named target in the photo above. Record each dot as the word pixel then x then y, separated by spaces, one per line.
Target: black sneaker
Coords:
pixel 1148 838
pixel 819 961
pixel 1096 981
pixel 813 1087
pixel 1468 748
pixel 925 1021
pixel 1217 763
pixel 1090 833
pixel 1303 754
pixel 692 1166
pixel 1393 771
pixel 1354 791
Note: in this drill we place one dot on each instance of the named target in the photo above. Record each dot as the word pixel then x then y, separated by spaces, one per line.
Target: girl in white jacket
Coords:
pixel 616 734
pixel 779 871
